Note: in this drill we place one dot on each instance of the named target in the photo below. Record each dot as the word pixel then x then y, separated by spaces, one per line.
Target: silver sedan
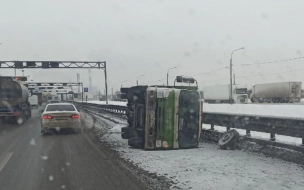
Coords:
pixel 60 116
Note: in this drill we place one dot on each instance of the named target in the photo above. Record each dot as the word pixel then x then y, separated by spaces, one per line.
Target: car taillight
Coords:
pixel 75 116
pixel 16 114
pixel 47 117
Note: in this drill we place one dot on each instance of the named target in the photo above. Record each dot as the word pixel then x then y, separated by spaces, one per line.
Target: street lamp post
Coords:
pixel 168 75
pixel 123 82
pixel 231 100
pixel 137 79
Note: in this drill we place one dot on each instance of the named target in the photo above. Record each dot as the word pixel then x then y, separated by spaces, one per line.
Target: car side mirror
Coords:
pixel 41 111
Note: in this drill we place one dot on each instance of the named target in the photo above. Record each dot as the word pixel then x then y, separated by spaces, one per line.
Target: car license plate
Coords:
pixel 61 118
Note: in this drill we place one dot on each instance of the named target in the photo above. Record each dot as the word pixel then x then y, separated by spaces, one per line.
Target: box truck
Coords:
pixel 221 94
pixel 280 92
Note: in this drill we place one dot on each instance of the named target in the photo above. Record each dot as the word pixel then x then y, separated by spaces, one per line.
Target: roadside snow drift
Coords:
pixel 208 167
pixel 284 110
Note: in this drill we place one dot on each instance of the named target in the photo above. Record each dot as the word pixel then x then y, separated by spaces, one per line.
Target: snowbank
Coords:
pixel 208 167
pixel 284 110
pixel 109 102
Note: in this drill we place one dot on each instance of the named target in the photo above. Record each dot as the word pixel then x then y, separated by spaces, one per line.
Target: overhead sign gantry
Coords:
pixel 57 65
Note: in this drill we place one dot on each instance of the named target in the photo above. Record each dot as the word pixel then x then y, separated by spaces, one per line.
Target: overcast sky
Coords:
pixel 138 37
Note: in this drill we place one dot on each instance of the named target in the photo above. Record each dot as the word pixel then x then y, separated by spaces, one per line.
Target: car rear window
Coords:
pixel 60 108
pixel 54 102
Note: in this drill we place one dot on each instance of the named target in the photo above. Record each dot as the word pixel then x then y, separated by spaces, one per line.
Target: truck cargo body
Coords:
pixel 14 100
pixel 221 94
pixel 281 92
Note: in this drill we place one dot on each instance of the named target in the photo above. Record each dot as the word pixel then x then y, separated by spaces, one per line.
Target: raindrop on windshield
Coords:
pixel 32 142
pixel 20 121
pixel 44 157
pixel 51 178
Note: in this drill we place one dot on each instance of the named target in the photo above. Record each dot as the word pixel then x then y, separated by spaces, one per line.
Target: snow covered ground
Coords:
pixel 208 167
pixel 109 102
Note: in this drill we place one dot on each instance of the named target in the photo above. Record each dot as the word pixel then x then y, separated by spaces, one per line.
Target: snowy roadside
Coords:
pixel 208 167
pixel 276 110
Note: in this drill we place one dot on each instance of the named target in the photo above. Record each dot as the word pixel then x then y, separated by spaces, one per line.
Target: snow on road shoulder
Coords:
pixel 208 167
pixel 283 110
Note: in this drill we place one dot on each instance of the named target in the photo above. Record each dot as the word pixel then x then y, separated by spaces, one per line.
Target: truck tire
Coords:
pixel 229 140
pixel 136 142
pixel 125 129
pixel 125 135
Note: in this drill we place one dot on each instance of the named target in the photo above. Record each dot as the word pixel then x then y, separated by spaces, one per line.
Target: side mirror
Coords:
pixel 41 111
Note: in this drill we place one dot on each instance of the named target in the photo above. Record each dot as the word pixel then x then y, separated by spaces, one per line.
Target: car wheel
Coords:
pixel 42 132
pixel 229 140
pixel 77 130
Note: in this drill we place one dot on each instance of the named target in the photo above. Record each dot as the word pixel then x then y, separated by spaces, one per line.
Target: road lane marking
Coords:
pixel 5 160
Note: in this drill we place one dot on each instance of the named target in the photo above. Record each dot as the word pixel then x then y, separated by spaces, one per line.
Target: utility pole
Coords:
pixel 78 79
pixel 112 94
pixel 123 82
pixel 137 79
pixel 168 75
pixel 231 97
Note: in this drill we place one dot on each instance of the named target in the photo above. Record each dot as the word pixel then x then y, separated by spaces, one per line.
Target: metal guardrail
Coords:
pixel 122 110
pixel 293 127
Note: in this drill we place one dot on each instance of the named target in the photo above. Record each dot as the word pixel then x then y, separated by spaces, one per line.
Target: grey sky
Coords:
pixel 147 37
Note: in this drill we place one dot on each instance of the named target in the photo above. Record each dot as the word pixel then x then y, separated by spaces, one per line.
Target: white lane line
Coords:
pixel 5 160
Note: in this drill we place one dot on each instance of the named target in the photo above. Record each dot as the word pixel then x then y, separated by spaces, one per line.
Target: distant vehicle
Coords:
pixel 221 94
pixel 280 92
pixel 163 117
pixel 14 104
pixel 53 102
pixel 33 100
pixel 60 116
pixel 39 96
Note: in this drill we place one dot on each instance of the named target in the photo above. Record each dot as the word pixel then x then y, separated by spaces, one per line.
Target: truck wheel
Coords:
pixel 125 129
pixel 136 142
pixel 229 139
pixel 125 135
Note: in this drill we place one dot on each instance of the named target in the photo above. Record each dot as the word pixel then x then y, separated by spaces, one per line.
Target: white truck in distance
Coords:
pixel 221 94
pixel 280 92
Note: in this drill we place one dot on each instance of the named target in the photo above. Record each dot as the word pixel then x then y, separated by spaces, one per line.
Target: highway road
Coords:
pixel 29 161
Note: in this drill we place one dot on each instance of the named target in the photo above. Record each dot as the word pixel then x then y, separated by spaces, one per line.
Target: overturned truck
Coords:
pixel 163 117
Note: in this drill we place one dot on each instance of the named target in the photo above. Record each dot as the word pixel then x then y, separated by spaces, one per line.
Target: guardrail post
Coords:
pixel 272 137
pixel 228 128
pixel 302 141
pixel 247 132
pixel 212 127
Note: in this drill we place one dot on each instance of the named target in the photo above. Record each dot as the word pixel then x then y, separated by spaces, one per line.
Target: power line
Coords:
pixel 211 71
pixel 260 75
pixel 294 70
pixel 263 63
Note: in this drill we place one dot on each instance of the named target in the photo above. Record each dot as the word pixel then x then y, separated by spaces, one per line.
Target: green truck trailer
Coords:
pixel 163 117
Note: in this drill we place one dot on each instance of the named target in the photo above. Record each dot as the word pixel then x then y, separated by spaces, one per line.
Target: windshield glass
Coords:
pixel 189 111
pixel 60 108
